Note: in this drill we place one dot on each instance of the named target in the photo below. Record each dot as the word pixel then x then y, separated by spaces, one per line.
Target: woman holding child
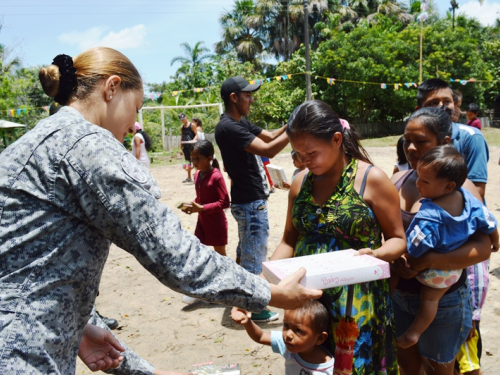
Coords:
pixel 438 345
pixel 343 202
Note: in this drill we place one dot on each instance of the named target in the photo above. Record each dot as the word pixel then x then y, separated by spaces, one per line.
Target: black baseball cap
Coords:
pixel 237 84
pixel 182 116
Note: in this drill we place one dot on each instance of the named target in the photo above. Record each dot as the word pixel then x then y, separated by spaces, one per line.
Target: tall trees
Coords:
pixel 192 62
pixel 240 32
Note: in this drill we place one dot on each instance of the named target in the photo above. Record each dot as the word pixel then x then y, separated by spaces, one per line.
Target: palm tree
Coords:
pixel 282 24
pixel 194 56
pixel 240 32
pixel 6 64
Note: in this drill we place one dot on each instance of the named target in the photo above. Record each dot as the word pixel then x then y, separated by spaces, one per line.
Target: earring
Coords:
pixel 110 97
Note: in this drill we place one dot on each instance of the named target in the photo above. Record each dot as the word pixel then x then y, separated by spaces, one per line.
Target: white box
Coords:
pixel 277 174
pixel 329 270
pixel 210 368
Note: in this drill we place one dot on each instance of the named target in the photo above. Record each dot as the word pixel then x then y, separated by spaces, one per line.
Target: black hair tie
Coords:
pixel 67 80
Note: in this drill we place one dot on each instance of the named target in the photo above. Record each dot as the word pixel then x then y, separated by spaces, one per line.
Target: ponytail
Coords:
pixel 206 148
pixel 147 139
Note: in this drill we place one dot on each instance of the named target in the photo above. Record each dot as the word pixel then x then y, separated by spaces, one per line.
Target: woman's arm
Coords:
pixel 383 199
pixel 290 234
pixel 137 143
pixel 475 250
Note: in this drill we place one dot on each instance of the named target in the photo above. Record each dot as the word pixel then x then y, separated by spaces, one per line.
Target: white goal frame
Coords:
pixel 163 108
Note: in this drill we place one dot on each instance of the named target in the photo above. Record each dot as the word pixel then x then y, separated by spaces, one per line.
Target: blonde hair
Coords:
pixel 92 66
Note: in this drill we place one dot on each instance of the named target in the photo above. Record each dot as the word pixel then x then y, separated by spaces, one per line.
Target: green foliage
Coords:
pixel 384 52
pixel 21 89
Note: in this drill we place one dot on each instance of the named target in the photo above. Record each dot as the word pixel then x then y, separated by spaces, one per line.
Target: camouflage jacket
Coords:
pixel 68 189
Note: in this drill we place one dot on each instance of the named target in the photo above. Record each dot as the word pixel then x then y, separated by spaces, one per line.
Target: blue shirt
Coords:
pixel 294 364
pixel 471 144
pixel 435 229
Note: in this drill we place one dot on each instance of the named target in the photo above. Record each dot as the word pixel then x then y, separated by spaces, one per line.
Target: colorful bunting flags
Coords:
pixel 383 86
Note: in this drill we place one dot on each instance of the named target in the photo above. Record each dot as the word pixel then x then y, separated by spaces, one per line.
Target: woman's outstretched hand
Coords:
pixel 289 294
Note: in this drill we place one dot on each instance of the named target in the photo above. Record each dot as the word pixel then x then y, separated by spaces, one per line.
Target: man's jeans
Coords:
pixel 253 232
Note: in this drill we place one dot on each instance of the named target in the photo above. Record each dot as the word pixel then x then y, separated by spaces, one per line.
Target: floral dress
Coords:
pixel 345 222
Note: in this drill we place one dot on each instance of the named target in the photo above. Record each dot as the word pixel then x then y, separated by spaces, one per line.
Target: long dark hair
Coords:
pixel 206 148
pixel 147 139
pixel 320 120
pixel 401 151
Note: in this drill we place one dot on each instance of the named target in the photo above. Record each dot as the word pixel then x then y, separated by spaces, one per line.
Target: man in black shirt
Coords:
pixel 242 144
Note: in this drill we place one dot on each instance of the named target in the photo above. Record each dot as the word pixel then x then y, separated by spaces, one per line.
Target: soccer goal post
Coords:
pixel 162 110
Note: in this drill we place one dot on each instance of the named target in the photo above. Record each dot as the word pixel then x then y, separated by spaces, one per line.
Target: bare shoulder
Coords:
pixel 297 184
pixel 396 176
pixel 375 174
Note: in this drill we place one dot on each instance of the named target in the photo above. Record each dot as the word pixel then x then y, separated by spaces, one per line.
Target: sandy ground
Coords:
pixel 172 335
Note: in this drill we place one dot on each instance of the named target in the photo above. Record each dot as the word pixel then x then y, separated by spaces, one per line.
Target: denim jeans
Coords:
pixel 451 326
pixel 253 232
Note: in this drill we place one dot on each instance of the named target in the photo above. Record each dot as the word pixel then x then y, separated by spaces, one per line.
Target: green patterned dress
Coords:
pixel 345 222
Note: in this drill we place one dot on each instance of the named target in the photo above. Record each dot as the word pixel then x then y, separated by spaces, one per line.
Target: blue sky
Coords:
pixel 149 32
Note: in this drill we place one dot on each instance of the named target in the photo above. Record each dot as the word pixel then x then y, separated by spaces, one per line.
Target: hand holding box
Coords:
pixel 329 270
pixel 277 174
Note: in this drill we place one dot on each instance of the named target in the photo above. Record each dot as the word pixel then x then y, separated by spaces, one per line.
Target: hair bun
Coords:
pixel 67 79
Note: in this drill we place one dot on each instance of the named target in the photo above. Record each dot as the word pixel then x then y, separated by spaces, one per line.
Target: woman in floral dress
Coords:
pixel 343 202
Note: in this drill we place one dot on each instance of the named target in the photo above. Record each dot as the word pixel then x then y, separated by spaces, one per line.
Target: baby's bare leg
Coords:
pixel 429 301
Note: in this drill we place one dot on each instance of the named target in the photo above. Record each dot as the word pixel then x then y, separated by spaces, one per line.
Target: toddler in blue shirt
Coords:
pixel 448 216
pixel 304 330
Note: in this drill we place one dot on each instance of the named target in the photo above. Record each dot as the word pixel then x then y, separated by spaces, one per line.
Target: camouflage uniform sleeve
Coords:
pixel 132 362
pixel 118 196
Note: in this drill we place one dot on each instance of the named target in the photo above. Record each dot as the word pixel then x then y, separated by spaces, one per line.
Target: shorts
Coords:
pixel 439 279
pixel 441 341
pixel 469 355
pixel 186 150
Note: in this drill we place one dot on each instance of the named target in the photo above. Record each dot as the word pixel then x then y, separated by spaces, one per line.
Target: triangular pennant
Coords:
pixel 383 86
pixel 289 76
pixel 278 78
pixel 396 86
pixel 268 79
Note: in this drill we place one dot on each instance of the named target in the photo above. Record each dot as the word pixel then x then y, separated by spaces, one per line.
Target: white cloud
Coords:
pixel 128 38
pixel 486 13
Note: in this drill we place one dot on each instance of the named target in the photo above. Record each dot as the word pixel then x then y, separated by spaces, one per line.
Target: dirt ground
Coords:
pixel 174 336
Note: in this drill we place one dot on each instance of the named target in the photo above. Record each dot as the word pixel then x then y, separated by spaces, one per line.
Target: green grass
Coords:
pixel 391 140
pixel 492 136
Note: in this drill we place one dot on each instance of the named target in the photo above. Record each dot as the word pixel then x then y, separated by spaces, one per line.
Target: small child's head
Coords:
pixel 203 155
pixel 306 327
pixel 296 160
pixel 472 111
pixel 440 171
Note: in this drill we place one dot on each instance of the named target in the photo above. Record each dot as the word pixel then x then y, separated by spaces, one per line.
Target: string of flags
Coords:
pixel 463 81
pixel 330 80
pixel 23 111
